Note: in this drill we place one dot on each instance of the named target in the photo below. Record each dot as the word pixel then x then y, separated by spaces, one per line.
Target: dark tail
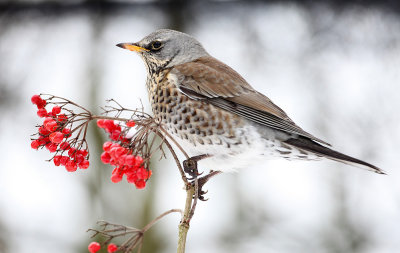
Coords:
pixel 311 146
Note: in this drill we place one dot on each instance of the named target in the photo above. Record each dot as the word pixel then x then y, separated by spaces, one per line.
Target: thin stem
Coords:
pixel 175 142
pixel 196 197
pixel 121 108
pixel 178 164
pixel 66 100
pixel 140 248
pixel 148 226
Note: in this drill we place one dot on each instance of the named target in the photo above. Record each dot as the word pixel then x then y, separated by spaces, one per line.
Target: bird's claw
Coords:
pixel 200 192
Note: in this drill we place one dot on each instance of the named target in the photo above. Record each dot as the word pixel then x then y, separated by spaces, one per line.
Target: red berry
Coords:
pixel 107 146
pixel 116 175
pixel 115 145
pixel 56 137
pixel 130 160
pixel 71 166
pixel 43 140
pixel 43 131
pixel 35 99
pixel 56 110
pixel 50 124
pixel 62 118
pixel 131 177
pixel 94 247
pixel 79 158
pixel 112 248
pixel 35 144
pixel 109 125
pixel 66 132
pixel 138 161
pixel 100 123
pixel 140 184
pixel 121 159
pixel 130 123
pixel 64 160
pixel 117 127
pixel 57 160
pixel 38 101
pixel 52 147
pixel 142 173
pixel 42 112
pixel 41 104
pixel 113 162
pixel 71 152
pixel 83 152
pixel 105 157
pixel 64 145
pixel 118 152
pixel 46 120
pixel 115 135
pixel 84 164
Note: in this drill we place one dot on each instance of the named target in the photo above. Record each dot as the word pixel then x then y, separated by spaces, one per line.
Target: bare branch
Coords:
pixel 134 236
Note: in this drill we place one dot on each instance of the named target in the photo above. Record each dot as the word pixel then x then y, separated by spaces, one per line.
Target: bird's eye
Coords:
pixel 155 45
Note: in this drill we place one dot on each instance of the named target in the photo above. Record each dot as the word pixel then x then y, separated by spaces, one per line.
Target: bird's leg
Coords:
pixel 190 165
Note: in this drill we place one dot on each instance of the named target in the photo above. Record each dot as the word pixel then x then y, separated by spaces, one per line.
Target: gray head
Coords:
pixel 166 48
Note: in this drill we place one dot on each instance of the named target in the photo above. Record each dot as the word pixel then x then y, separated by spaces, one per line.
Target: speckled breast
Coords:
pixel 192 120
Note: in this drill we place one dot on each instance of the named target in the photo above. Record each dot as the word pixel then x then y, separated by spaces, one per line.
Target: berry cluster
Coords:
pixel 95 246
pixel 121 157
pixel 125 164
pixel 54 135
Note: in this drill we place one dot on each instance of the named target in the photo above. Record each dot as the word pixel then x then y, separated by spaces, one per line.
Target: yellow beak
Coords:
pixel 132 47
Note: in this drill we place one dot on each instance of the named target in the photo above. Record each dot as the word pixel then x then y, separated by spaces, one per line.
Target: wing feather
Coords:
pixel 216 83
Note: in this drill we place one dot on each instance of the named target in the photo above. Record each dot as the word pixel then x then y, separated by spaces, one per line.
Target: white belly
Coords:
pixel 252 150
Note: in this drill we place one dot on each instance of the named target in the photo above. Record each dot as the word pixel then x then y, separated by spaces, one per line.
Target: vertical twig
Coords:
pixel 184 225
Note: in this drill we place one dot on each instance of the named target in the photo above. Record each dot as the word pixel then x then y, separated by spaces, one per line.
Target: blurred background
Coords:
pixel 333 66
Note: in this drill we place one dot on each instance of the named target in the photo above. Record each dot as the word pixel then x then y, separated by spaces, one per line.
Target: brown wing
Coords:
pixel 211 80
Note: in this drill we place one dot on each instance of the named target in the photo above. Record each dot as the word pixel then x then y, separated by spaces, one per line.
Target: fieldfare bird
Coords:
pixel 211 110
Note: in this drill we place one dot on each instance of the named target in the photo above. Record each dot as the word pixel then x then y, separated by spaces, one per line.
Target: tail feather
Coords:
pixel 311 146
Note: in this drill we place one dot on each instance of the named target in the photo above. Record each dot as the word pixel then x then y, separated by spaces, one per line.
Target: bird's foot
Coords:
pixel 190 166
